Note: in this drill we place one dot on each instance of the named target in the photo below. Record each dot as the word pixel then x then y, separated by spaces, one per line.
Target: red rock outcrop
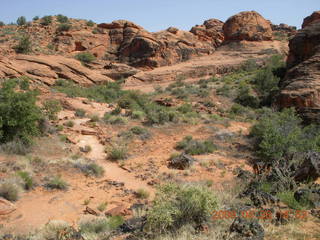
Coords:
pixel 301 86
pixel 47 69
pixel 314 17
pixel 249 26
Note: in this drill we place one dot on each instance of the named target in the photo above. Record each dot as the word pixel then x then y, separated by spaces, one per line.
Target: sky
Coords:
pixel 161 14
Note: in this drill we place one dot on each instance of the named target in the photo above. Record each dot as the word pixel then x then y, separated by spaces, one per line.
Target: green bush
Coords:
pixel 178 205
pixel 21 21
pixel 118 153
pixel 278 135
pixel 69 123
pixel 35 18
pixel 62 19
pixel 24 46
pixel 9 190
pixel 195 147
pixel 46 20
pixel 94 225
pixel 64 27
pixel 2 24
pixel 51 108
pixel 85 57
pixel 27 179
pixel 246 96
pixel 56 183
pixel 142 193
pixel 19 113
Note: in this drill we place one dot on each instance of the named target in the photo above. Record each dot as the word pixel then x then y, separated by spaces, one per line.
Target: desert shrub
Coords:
pixel 46 20
pixel 80 113
pixel 195 147
pixel 118 153
pixel 138 115
pixel 94 225
pixel 185 108
pixel 116 111
pixel 9 190
pixel 246 96
pixel 55 229
pixel 21 21
pixel 178 205
pixel 224 90
pixel 115 221
pixel 278 135
pixel 114 120
pixel 62 19
pixel 51 108
pixel 140 131
pixel 94 118
pixel 35 18
pixel 90 23
pixel 69 123
pixel 27 179
pixel 24 45
pixel 19 113
pixel 142 193
pixel 64 27
pixel 249 65
pixel 85 57
pixel 156 114
pixel 102 206
pixel 15 147
pixel 2 24
pixel 57 183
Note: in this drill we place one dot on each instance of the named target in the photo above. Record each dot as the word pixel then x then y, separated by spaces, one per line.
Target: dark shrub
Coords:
pixel 195 147
pixel 24 45
pixel 46 20
pixel 64 27
pixel 21 21
pixel 62 19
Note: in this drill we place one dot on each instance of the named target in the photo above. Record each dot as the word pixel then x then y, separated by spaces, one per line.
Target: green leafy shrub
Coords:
pixel 64 27
pixel 195 147
pixel 51 108
pixel 278 135
pixel 27 179
pixel 21 21
pixel 178 205
pixel 62 19
pixel 46 20
pixel 57 183
pixel 118 153
pixel 19 113
pixel 85 57
pixel 9 190
pixel 24 46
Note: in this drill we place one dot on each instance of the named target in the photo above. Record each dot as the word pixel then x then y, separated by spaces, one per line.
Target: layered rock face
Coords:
pixel 301 86
pixel 249 26
pixel 129 43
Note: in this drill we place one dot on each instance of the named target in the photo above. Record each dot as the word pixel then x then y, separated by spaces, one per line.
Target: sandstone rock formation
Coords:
pixel 47 69
pixel 301 86
pixel 314 17
pixel 249 26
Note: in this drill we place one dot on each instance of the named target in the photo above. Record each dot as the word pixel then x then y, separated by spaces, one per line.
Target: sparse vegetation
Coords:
pixel 177 205
pixel 102 206
pixel 85 57
pixel 142 193
pixel 56 183
pixel 27 179
pixel 9 190
pixel 64 27
pixel 62 19
pixel 51 108
pixel 90 23
pixel 80 113
pixel 46 20
pixel 195 147
pixel 21 21
pixel 24 46
pixel 118 153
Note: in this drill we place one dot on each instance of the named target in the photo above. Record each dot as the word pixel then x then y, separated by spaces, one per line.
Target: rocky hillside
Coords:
pixel 121 49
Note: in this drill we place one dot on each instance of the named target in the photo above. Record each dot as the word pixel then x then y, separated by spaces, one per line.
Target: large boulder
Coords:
pixel 246 230
pixel 249 26
pixel 301 86
pixel 314 17
pixel 6 207
pixel 310 168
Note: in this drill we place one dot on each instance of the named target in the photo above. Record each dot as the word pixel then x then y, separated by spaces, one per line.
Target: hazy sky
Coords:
pixel 160 14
